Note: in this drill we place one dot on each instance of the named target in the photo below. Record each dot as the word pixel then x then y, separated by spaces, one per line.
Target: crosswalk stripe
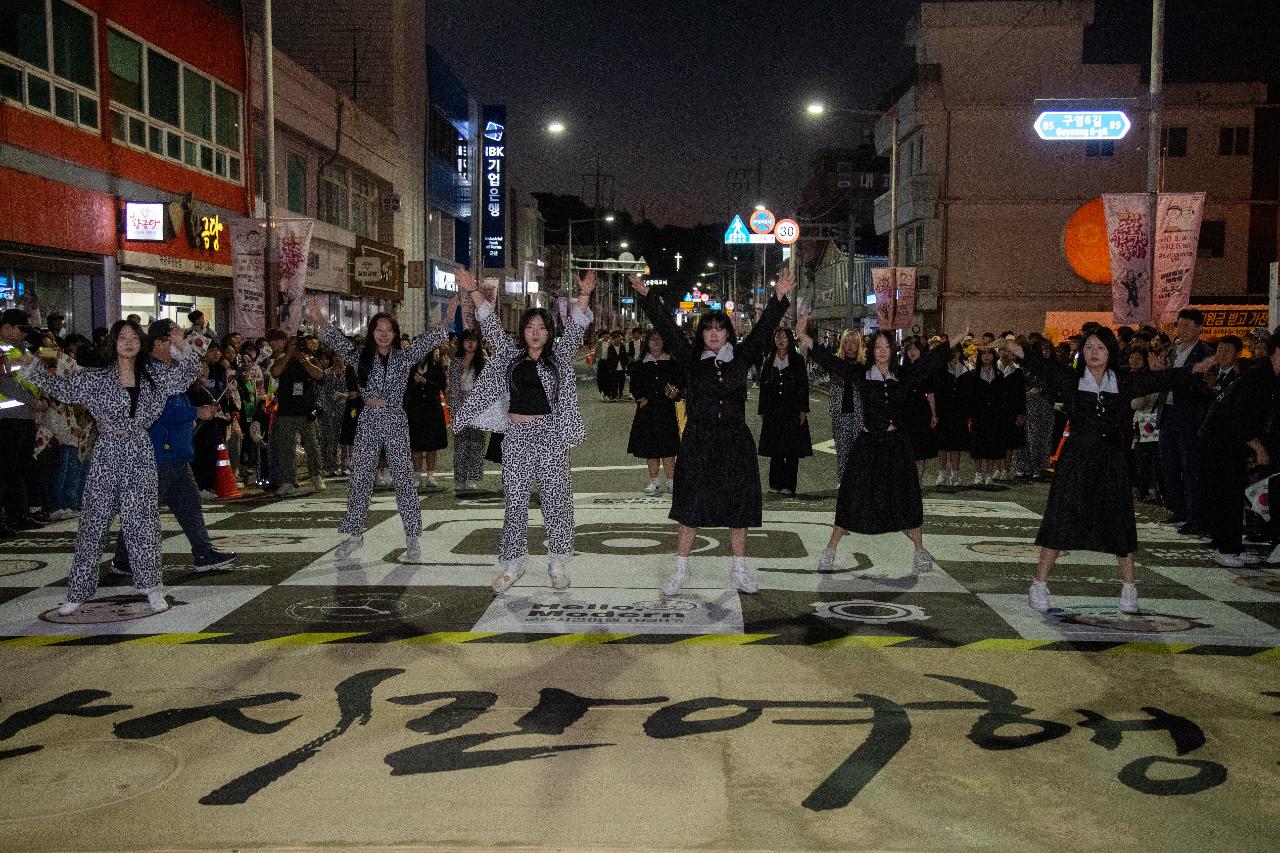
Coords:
pixel 171 639
pixel 581 639
pixel 34 642
pixel 309 639
pixel 1150 648
pixel 1003 645
pixel 723 639
pixel 868 641
pixel 450 637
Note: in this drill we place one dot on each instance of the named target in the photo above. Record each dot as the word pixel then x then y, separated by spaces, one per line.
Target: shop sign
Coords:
pixel 144 221
pixel 493 206
pixel 417 274
pixel 377 270
pixel 369 270
pixel 328 267
pixel 442 279
pixel 211 229
pixel 145 260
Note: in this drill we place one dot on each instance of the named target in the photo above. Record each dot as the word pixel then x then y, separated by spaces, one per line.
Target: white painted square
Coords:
pixel 592 610
pixel 193 608
pixel 1223 584
pixel 958 508
pixel 1173 621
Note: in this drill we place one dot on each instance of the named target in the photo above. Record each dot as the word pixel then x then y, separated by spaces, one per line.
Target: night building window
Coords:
pixel 1213 239
pixel 296 170
pixel 161 105
pixel 1099 148
pixel 1233 141
pixel 348 199
pixel 48 60
pixel 1174 141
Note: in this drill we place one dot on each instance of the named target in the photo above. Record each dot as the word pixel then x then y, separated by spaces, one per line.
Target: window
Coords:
pixel 1174 141
pixel 919 244
pixel 1213 239
pixel 919 163
pixel 296 168
pixel 1233 141
pixel 844 167
pixel 363 218
pixel 164 107
pixel 348 199
pixel 868 180
pixel 1098 148
pixel 48 59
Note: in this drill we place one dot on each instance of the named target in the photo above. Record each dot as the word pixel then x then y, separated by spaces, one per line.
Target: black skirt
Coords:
pixel 493 453
pixel 655 432
pixel 880 492
pixel 1090 506
pixel 783 435
pixel 717 477
pixel 952 433
pixel 427 430
pixel 923 437
pixel 988 439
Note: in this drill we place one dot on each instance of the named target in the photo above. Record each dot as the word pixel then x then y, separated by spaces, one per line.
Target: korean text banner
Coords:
pixel 1129 243
pixel 248 294
pixel 493 202
pixel 1177 238
pixel 882 280
pixel 292 246
pixel 904 303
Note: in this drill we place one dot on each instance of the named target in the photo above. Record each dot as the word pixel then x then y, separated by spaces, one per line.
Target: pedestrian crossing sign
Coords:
pixel 737 232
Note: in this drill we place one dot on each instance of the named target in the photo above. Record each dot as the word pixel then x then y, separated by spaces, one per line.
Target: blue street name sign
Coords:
pixel 1082 125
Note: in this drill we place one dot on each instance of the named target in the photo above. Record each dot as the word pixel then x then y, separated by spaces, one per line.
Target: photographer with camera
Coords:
pixel 297 375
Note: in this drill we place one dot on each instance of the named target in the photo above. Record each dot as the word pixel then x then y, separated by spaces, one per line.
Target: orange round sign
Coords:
pixel 1085 243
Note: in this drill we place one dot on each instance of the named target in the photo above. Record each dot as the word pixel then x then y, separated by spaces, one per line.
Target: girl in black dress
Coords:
pixel 922 417
pixel 884 497
pixel 953 424
pixel 1090 504
pixel 717 476
pixel 427 432
pixel 784 411
pixel 1015 413
pixel 982 395
pixel 656 382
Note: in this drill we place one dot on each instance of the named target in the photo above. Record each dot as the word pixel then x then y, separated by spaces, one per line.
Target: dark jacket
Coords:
pixel 786 391
pixel 171 434
pixel 1239 414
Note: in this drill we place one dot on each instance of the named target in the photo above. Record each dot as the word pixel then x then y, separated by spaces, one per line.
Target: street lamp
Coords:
pixel 711 264
pixel 760 206
pixel 624 244
pixel 555 128
pixel 816 108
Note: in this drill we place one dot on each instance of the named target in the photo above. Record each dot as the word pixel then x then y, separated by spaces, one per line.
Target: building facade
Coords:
pixel 983 202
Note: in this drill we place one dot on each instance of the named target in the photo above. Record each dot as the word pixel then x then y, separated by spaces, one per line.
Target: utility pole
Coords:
pixel 271 295
pixel 1154 138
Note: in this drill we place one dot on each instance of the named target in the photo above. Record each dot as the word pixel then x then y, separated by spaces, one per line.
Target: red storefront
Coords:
pixel 110 104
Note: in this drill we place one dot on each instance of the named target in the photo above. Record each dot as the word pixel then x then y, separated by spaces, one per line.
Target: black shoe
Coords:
pixel 215 559
pixel 1193 528
pixel 118 568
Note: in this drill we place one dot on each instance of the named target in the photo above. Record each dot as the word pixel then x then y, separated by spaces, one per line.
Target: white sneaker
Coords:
pixel 923 561
pixel 826 561
pixel 206 495
pixel 319 485
pixel 653 489
pixel 987 481
pixel 286 490
pixel 68 608
pixel 670 487
pixel 977 479
pixel 62 515
pixel 511 573
pixel 1038 595
pixel 157 600
pixel 942 480
pixel 349 546
pixel 678 578
pixel 1249 558
pixel 1128 598
pixel 559 577
pixel 1230 561
pixel 742 579
pixel 412 550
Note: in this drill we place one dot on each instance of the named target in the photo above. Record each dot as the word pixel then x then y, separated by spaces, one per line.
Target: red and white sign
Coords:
pixel 787 231
pixel 762 222
pixel 144 221
pixel 1177 238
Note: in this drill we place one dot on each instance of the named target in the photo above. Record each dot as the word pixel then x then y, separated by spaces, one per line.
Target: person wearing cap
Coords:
pixel 172 439
pixel 18 417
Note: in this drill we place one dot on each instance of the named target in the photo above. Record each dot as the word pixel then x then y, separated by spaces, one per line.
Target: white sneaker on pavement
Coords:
pixel 977 479
pixel 1128 598
pixel 826 561
pixel 922 562
pixel 1229 561
pixel 349 546
pixel 653 489
pixel 68 608
pixel 412 550
pixel 157 600
pixel 742 578
pixel 1249 558
pixel 942 480
pixel 559 576
pixel 286 490
pixel 319 485
pixel 678 578
pixel 1038 595
pixel 511 573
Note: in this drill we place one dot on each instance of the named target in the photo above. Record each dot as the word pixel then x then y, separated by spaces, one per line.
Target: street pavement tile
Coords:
pixel 10 592
pixel 114 611
pixel 40 542
pixel 1070 577
pixel 523 610
pixel 813 617
pixel 1162 620
pixel 34 569
pixel 396 611
pixel 1268 612
pixel 267 541
pixel 289 520
pixel 1259 584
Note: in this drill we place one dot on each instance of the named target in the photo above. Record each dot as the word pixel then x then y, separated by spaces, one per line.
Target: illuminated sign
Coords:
pixel 736 232
pixel 144 221
pixel 1084 125
pixel 762 222
pixel 211 229
pixel 442 279
pixel 461 155
pixel 493 207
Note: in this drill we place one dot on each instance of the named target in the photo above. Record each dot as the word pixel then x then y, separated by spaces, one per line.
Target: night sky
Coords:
pixel 670 95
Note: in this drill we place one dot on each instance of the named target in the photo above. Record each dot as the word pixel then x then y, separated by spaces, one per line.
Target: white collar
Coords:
pixel 725 353
pixel 649 357
pixel 781 362
pixel 1109 384
pixel 875 375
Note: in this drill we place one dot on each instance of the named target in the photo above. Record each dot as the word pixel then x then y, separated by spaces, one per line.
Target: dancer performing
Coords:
pixel 656 383
pixel 717 476
pixel 125 399
pixel 880 491
pixel 468 443
pixel 383 375
pixel 533 381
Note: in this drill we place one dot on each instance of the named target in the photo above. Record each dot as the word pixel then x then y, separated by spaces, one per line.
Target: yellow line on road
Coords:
pixel 309 639
pixel 1268 655
pixel 1002 645
pixel 1151 648
pixel 172 639
pixel 581 639
pixel 34 642
pixel 866 641
pixel 450 637
pixel 723 639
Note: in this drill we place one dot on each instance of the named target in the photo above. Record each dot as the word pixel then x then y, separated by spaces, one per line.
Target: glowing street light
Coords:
pixel 711 264
pixel 760 206
pixel 816 108
pixel 555 127
pixel 625 244
pixel 609 217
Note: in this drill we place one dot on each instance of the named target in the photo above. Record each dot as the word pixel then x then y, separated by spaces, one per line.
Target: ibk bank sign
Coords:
pixel 493 151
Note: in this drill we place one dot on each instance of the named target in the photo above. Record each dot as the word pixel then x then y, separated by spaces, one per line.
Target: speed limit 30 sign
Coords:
pixel 787 231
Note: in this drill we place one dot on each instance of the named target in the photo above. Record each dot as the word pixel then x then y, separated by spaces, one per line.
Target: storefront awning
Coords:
pixel 24 257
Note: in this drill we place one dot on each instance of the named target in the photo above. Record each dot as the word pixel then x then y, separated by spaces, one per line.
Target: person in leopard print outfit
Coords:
pixel 528 391
pixel 124 398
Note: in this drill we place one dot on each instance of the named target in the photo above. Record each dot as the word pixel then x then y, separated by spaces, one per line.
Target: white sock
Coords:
pixel 655 482
pixel 739 563
pixel 682 564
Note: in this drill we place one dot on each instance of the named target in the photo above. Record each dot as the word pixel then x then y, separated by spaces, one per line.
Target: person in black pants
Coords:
pixel 17 426
pixel 1232 434
pixel 1179 421
pixel 784 411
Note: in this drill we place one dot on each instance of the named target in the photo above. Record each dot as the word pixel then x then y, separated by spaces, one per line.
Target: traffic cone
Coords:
pixel 225 479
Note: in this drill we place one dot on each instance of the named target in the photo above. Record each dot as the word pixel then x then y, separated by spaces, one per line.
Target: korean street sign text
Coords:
pixel 1082 125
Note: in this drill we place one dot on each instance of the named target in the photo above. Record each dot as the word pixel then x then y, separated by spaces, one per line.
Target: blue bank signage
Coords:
pixel 1082 125
pixel 493 150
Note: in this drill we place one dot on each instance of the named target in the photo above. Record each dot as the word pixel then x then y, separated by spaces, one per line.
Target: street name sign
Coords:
pixel 1077 125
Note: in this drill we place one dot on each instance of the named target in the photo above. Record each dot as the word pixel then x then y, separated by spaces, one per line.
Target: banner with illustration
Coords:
pixel 292 246
pixel 904 304
pixel 1129 244
pixel 882 282
pixel 1177 238
pixel 248 291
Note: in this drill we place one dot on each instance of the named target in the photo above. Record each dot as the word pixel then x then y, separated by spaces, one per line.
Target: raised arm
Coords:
pixel 579 319
pixel 926 367
pixel 67 389
pixel 433 337
pixel 1058 377
pixel 753 347
pixel 328 335
pixel 178 376
pixel 504 346
pixel 674 340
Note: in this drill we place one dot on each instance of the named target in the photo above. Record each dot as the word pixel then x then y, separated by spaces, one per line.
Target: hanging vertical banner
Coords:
pixel 493 150
pixel 904 303
pixel 293 244
pixel 248 294
pixel 1129 244
pixel 883 282
pixel 1177 239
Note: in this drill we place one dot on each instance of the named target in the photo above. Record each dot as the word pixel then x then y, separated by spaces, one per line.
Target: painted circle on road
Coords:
pixel 19 566
pixel 362 607
pixel 869 612
pixel 1132 623
pixel 259 540
pixel 632 542
pixel 102 611
pixel 1006 549
pixel 66 778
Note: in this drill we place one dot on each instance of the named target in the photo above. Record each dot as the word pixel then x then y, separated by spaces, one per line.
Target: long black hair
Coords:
pixel 712 318
pixel 772 353
pixel 371 347
pixel 477 360
pixel 548 355
pixel 1108 339
pixel 142 360
pixel 871 348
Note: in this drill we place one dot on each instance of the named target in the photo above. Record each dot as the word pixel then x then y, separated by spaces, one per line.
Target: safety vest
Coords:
pixel 12 354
